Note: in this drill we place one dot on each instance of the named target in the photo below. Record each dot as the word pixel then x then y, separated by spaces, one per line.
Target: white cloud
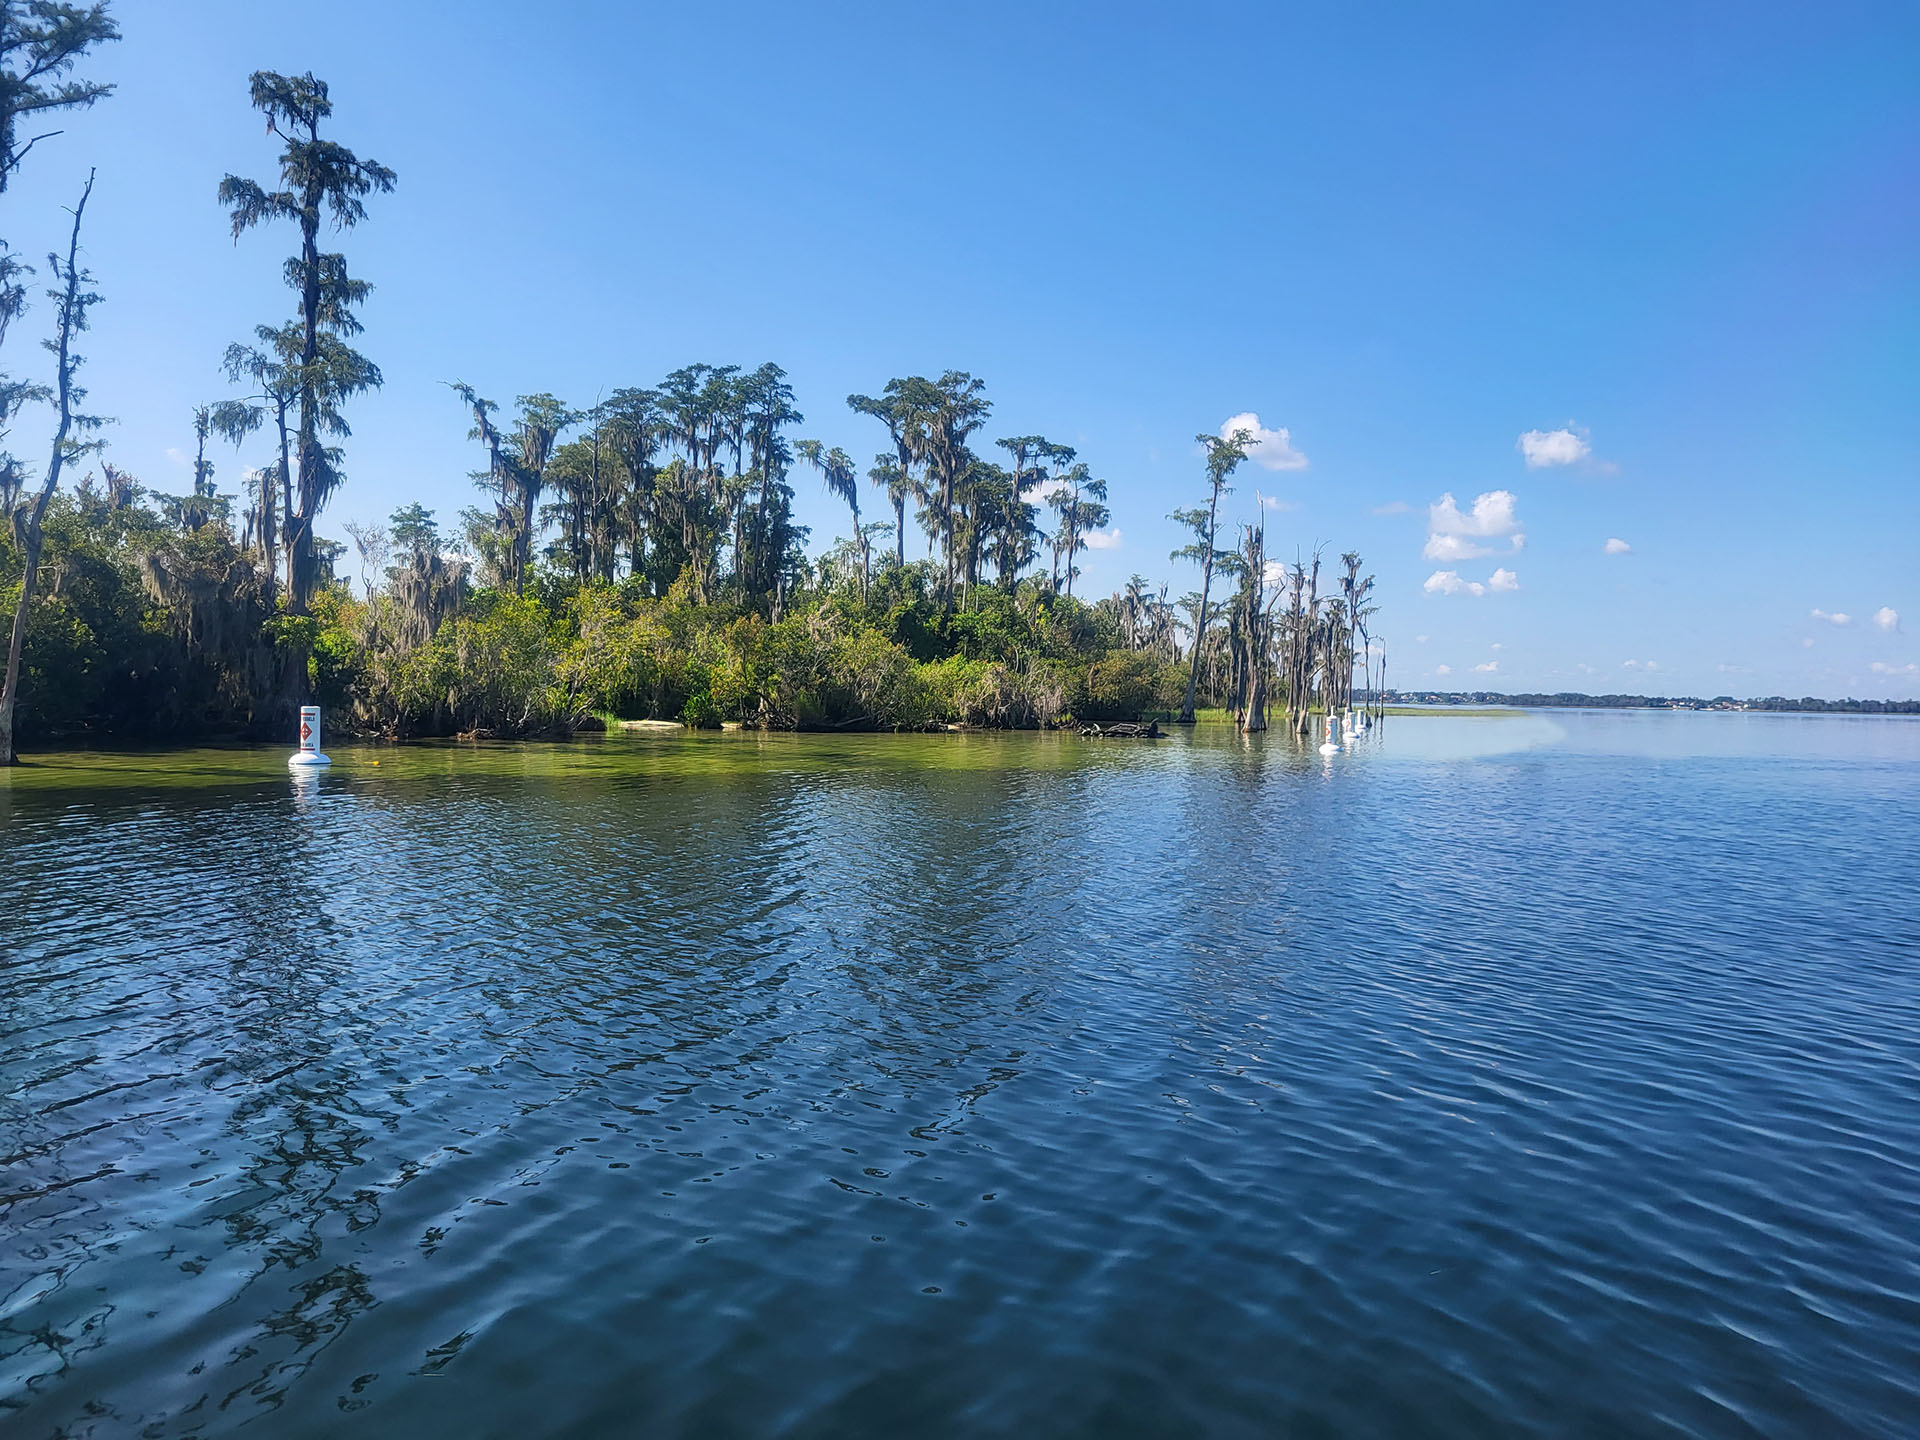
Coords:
pixel 1419 639
pixel 1454 534
pixel 1886 618
pixel 1104 539
pixel 1833 617
pixel 1880 667
pixel 1496 646
pixel 1451 582
pixel 1453 547
pixel 1553 447
pixel 1448 582
pixel 1487 669
pixel 1492 514
pixel 1392 507
pixel 1443 669
pixel 1807 644
pixel 1270 448
pixel 179 457
pixel 1586 669
pixel 1617 546
pixel 1640 664
pixel 1274 502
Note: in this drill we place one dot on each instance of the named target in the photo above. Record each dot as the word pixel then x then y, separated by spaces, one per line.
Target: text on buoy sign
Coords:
pixel 309 751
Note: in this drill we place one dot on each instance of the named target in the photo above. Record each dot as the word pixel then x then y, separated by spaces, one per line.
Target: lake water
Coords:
pixel 1510 1075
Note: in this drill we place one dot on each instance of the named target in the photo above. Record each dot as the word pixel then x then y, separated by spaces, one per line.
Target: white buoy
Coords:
pixel 1331 745
pixel 309 752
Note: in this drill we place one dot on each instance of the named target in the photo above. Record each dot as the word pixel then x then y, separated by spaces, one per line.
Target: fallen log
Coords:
pixel 1124 730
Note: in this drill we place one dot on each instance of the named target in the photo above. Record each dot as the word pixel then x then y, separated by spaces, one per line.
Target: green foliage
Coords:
pixel 136 631
pixel 292 633
pixel 413 528
pixel 159 627
pixel 40 43
pixel 320 180
pixel 700 713
pixel 333 660
pixel 1122 685
pixel 502 667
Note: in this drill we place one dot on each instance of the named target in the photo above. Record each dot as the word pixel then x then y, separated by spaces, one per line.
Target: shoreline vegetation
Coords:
pixel 638 559
pixel 152 633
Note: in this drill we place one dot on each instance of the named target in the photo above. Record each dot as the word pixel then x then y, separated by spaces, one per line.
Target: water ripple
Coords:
pixel 1547 1078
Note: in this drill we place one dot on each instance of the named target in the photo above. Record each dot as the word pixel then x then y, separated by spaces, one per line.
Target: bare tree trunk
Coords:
pixel 1307 648
pixel 10 693
pixel 1256 715
pixel 1257 624
pixel 1200 619
pixel 523 537
pixel 946 523
pixel 301 570
pixel 277 489
pixel 35 537
pixel 1073 538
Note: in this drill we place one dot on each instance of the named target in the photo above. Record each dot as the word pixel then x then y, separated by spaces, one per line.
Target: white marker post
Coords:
pixel 309 752
pixel 1331 745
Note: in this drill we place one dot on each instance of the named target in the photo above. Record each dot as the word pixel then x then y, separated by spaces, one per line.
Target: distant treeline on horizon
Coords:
pixel 1574 700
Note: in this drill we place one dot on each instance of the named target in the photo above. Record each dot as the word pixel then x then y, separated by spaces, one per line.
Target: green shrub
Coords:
pixel 150 628
pixel 1120 686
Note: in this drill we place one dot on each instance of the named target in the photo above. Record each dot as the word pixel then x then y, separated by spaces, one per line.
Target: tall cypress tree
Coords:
pixel 317 178
pixel 72 300
pixel 1223 458
pixel 41 42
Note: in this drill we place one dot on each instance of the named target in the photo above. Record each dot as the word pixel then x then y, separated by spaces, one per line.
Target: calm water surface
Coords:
pixel 1507 1076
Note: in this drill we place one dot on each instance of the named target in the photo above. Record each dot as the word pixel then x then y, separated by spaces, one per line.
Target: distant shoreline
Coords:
pixel 1573 700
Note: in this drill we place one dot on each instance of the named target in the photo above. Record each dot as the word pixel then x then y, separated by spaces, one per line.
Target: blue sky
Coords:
pixel 1677 242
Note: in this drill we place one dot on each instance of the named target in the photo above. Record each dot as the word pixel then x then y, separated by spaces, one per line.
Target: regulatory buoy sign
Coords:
pixel 309 751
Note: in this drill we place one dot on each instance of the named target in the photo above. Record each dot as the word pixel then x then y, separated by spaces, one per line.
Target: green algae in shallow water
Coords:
pixel 626 756
pixel 585 757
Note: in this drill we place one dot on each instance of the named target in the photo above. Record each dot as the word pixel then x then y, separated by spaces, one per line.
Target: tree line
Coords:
pixel 1579 700
pixel 693 476
pixel 638 557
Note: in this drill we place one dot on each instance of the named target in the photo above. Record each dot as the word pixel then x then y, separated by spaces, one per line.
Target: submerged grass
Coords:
pixel 621 753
